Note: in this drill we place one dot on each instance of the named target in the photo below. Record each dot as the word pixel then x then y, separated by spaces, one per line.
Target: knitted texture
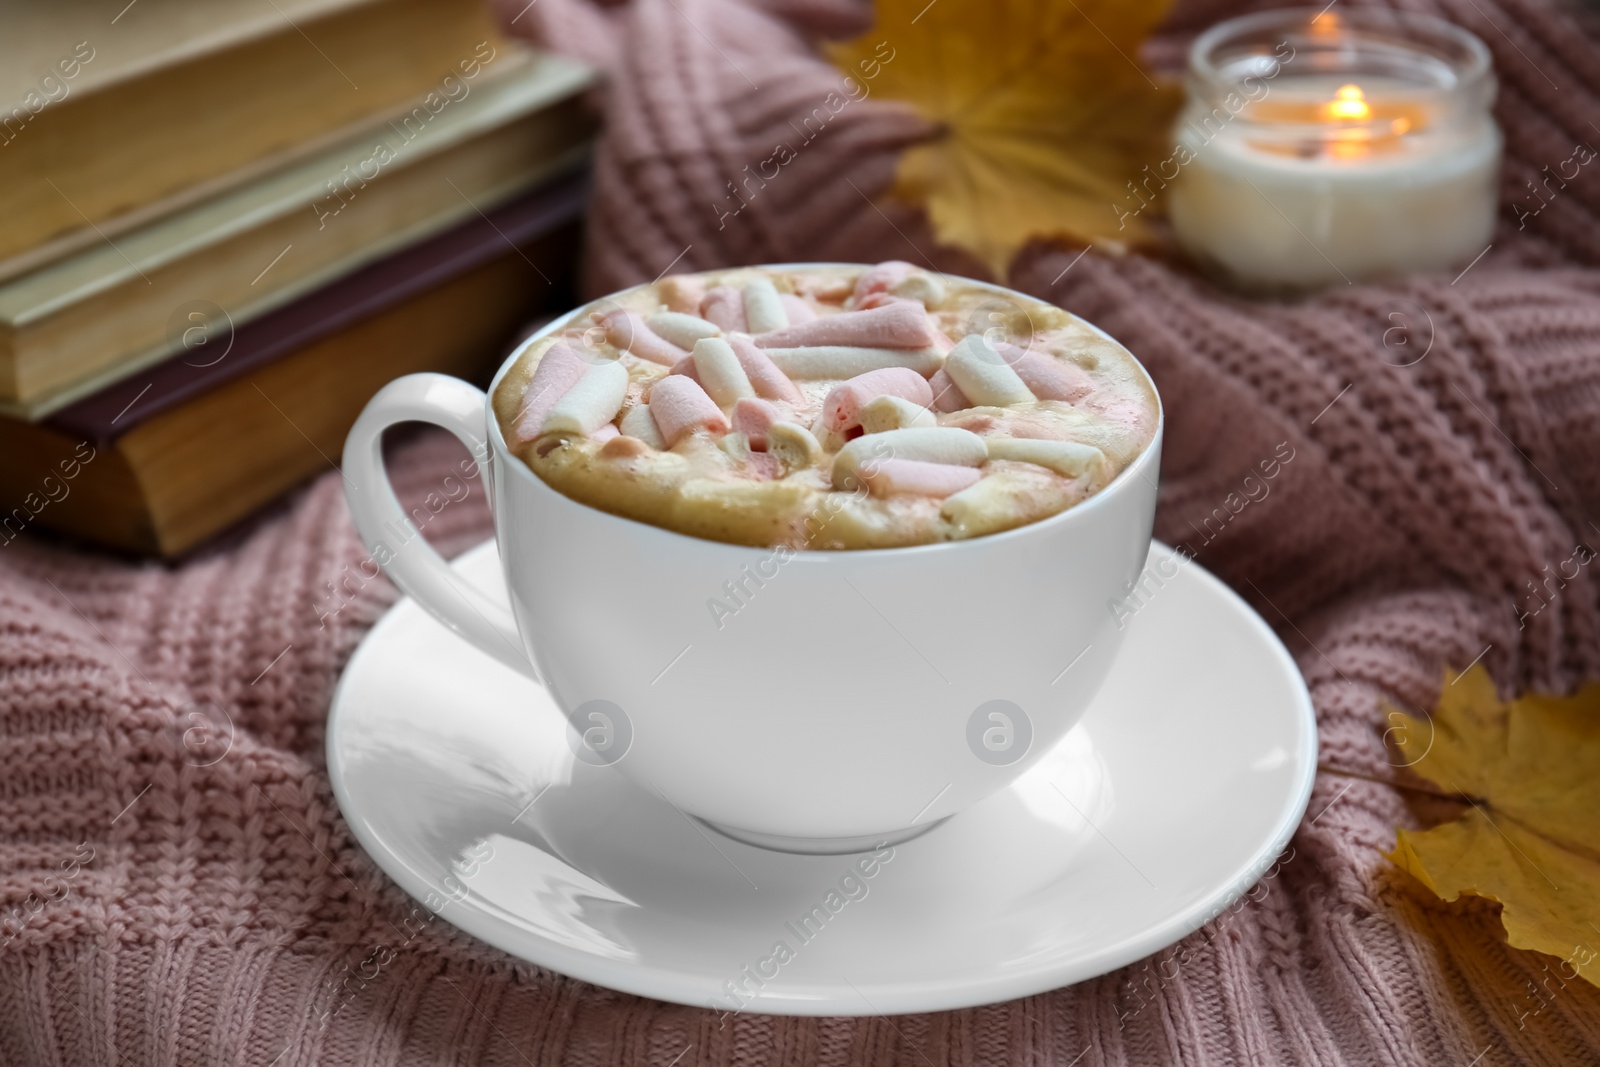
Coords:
pixel 158 906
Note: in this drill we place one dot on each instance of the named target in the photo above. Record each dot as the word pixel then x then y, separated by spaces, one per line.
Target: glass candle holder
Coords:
pixel 1331 148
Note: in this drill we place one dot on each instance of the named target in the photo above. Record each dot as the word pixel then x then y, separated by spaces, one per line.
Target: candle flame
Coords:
pixel 1349 104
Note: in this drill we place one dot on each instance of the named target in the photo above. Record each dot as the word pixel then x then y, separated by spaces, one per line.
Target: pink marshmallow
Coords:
pixel 765 377
pixel 890 477
pixel 679 406
pixel 1047 377
pixel 753 418
pixel 901 324
pixel 724 306
pixel 947 396
pixel 796 308
pixel 686 366
pixel 881 278
pixel 605 433
pixel 841 410
pixel 558 371
pixel 628 331
pixel 763 466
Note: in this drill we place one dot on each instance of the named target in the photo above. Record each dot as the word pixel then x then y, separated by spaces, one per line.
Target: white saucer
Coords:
pixel 1170 799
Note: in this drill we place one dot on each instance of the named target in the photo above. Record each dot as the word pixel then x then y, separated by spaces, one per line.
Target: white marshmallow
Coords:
pixel 681 329
pixel 1071 458
pixel 989 505
pixel 933 444
pixel 763 311
pixel 638 422
pixel 719 371
pixel 794 445
pixel 920 286
pixel 983 375
pixel 591 403
pixel 894 413
pixel 840 361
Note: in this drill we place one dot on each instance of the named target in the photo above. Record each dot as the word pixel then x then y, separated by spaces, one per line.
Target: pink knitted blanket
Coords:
pixel 213 914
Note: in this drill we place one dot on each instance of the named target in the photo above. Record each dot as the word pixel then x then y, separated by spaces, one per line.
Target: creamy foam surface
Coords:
pixel 764 442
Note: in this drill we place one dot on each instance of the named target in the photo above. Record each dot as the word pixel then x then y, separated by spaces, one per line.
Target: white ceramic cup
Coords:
pixel 852 698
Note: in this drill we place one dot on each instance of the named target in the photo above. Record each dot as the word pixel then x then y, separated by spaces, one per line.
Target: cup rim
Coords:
pixel 1136 469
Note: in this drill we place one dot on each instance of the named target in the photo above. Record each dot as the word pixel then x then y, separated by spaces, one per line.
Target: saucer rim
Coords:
pixel 823 999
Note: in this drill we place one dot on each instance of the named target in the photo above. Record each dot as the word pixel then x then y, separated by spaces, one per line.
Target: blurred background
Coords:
pixel 229 223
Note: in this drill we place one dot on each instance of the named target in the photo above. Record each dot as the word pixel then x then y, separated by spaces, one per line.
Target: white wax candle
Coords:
pixel 1319 183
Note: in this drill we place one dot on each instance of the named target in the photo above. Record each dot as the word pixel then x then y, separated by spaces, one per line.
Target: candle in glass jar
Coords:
pixel 1325 150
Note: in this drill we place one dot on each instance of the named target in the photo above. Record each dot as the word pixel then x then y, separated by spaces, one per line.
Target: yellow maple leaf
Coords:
pixel 1043 111
pixel 1530 771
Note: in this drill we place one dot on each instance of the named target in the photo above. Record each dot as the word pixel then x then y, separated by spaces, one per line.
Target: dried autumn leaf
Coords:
pixel 1531 838
pixel 1044 115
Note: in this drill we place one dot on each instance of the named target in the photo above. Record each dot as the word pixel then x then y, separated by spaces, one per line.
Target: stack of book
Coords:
pixel 229 223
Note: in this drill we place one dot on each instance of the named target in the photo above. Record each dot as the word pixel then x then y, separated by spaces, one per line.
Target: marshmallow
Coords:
pixel 839 361
pixel 605 433
pixel 763 310
pixel 724 306
pixel 894 413
pixel 882 278
pixel 923 288
pixel 592 403
pixel 736 446
pixel 979 371
pixel 765 377
pixel 762 466
pixel 796 308
pixel 842 407
pixel 628 331
pixel 637 422
pixel 946 396
pixel 793 445
pixel 902 324
pixel 932 444
pixel 559 369
pixel 831 440
pixel 1071 458
pixel 753 418
pixel 984 506
pixel 892 477
pixel 1047 377
pixel 682 330
pixel 624 447
pixel 685 366
pixel 679 406
pixel 719 372
pixel 681 292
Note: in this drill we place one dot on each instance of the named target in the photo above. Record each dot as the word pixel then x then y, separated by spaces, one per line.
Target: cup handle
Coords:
pixel 419 571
